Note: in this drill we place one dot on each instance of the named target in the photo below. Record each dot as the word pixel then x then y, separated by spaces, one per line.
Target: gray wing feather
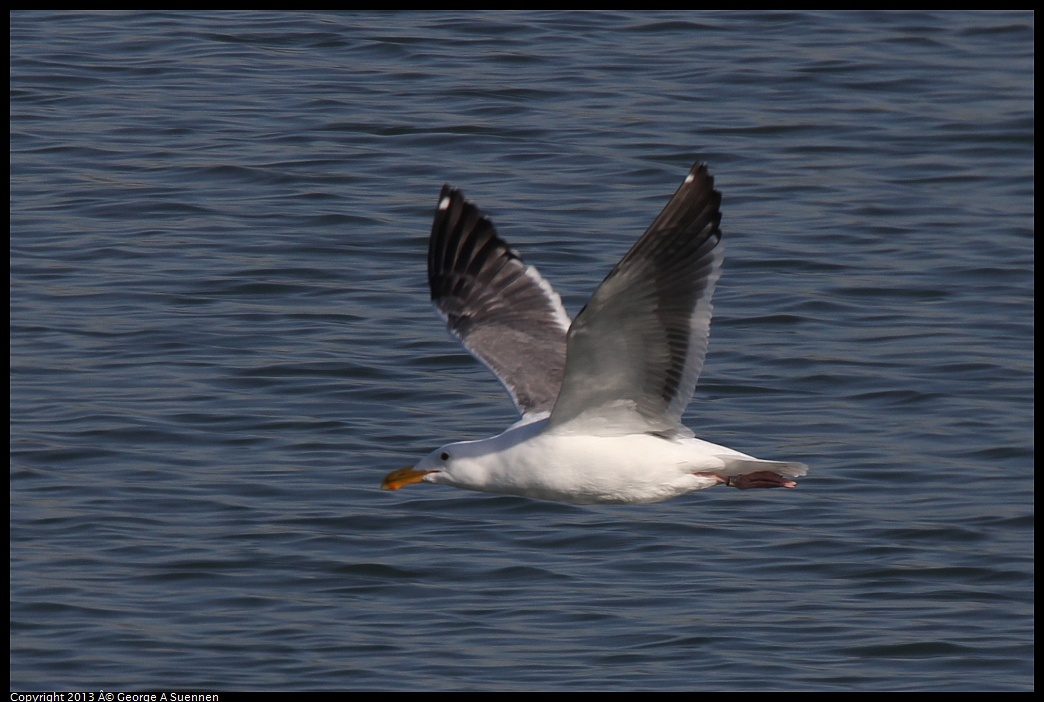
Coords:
pixel 501 309
pixel 636 350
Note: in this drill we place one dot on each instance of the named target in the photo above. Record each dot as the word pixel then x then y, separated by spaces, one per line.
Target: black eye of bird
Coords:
pixel 444 456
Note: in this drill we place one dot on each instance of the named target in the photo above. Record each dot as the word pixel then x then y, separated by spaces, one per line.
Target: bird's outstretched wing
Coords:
pixel 636 350
pixel 501 309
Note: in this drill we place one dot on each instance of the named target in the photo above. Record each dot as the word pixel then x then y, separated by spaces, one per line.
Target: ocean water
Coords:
pixel 221 340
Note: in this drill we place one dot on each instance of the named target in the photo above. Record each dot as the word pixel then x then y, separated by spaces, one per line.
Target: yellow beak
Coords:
pixel 403 477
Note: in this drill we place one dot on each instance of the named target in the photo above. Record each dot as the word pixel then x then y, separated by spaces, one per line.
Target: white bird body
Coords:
pixel 601 397
pixel 531 460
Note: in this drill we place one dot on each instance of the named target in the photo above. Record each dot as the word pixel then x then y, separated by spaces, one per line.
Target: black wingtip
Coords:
pixel 463 243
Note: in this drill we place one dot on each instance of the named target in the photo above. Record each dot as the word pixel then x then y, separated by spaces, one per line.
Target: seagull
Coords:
pixel 601 397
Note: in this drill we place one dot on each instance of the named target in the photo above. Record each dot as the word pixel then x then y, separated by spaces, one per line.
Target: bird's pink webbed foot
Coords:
pixel 758 479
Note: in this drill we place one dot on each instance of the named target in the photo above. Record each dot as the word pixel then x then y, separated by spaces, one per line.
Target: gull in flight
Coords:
pixel 601 397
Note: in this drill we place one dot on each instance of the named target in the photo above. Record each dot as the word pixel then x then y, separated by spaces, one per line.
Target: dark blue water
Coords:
pixel 221 341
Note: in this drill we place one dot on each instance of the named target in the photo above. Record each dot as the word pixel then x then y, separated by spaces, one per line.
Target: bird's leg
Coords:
pixel 758 479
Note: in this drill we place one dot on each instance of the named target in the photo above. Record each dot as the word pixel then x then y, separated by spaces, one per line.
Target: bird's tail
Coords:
pixel 742 466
